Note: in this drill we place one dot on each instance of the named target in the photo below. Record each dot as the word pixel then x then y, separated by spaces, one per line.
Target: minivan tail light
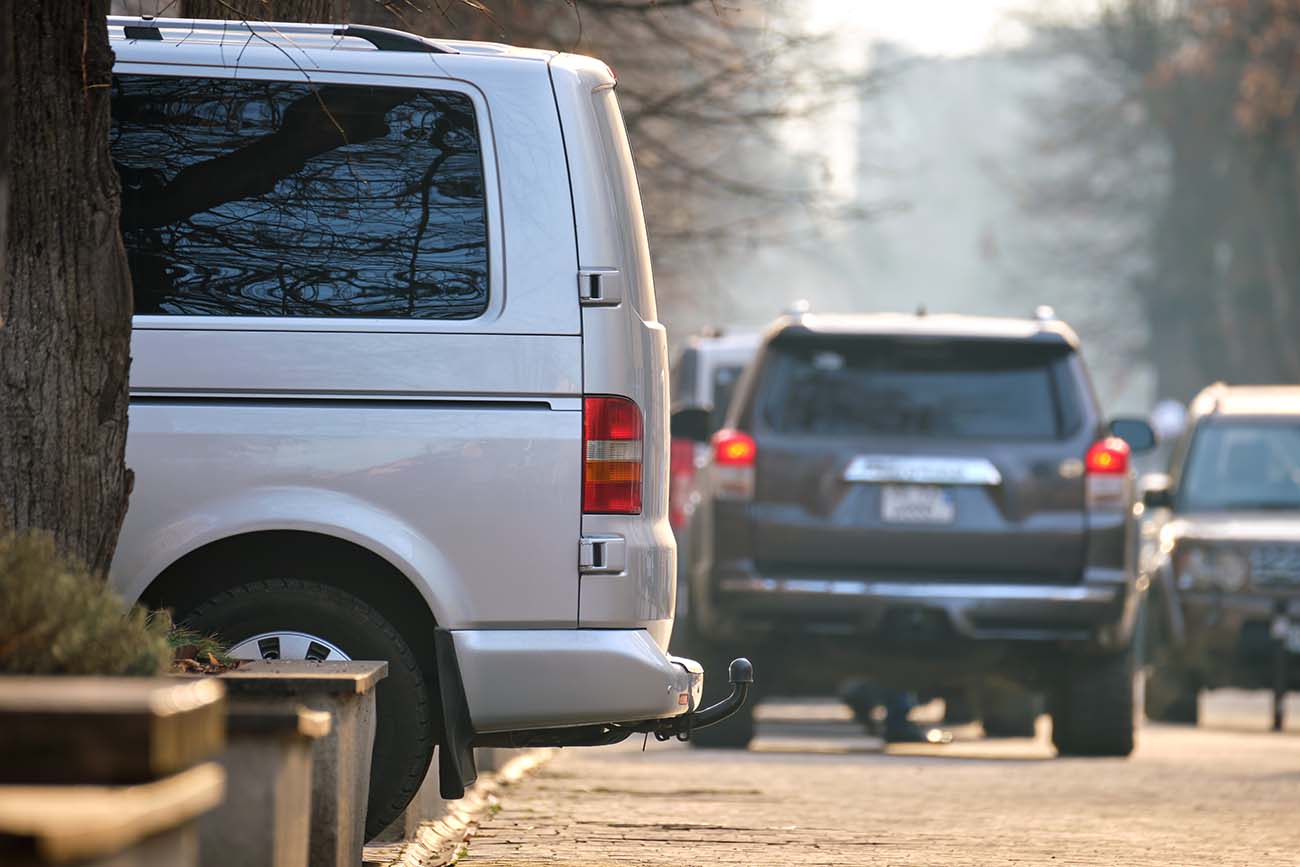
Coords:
pixel 1106 481
pixel 734 455
pixel 612 440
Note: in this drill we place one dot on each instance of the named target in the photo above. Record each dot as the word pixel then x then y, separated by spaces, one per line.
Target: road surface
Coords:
pixel 813 791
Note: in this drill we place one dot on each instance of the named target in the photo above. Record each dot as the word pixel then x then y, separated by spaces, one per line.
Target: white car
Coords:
pixel 399 388
pixel 704 376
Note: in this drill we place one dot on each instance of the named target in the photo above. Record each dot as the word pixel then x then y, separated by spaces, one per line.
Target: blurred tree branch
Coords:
pixel 1173 157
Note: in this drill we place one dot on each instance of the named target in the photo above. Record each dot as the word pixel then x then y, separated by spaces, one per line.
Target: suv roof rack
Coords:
pixel 382 38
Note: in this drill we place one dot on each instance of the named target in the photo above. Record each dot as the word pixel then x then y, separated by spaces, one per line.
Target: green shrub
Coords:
pixel 56 618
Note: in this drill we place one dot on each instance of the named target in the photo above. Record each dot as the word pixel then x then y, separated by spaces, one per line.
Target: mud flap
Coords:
pixel 456 768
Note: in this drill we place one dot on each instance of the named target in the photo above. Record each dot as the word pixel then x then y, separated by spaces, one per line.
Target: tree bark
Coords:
pixel 6 125
pixel 66 300
pixel 310 11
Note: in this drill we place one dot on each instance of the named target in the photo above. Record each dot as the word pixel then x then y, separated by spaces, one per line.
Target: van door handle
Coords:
pixel 602 555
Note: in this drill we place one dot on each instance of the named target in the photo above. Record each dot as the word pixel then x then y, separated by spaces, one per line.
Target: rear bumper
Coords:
pixel 518 679
pixel 1100 609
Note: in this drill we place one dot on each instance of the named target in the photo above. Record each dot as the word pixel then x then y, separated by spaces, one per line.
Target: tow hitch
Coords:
pixel 456 767
pixel 740 674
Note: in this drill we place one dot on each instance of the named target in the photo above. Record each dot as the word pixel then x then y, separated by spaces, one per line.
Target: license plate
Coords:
pixel 916 504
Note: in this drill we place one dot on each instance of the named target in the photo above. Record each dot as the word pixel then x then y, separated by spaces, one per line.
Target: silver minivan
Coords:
pixel 399 389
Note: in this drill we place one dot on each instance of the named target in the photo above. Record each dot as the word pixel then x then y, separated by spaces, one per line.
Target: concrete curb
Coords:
pixel 440 842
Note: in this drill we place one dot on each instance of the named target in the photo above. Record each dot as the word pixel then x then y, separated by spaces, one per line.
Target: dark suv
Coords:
pixel 1226 572
pixel 932 502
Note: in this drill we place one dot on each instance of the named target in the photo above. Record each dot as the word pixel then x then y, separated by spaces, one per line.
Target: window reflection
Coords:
pixel 265 198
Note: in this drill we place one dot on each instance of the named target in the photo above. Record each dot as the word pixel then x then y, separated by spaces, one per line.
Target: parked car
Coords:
pixel 704 376
pixel 399 390
pixel 932 502
pixel 1225 573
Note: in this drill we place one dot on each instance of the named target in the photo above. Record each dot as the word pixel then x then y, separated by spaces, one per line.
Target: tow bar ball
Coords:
pixel 740 674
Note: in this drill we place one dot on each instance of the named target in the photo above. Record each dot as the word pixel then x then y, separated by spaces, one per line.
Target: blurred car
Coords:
pixel 931 502
pixel 1225 576
pixel 704 375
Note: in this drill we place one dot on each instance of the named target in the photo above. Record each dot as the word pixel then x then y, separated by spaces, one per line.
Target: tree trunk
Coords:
pixel 310 11
pixel 66 299
pixel 6 124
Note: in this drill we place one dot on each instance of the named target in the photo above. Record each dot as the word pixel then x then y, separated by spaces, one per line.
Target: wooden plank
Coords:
pixel 294 677
pixel 101 730
pixel 69 823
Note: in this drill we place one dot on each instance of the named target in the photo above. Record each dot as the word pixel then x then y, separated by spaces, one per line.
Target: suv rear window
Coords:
pixel 272 198
pixel 960 389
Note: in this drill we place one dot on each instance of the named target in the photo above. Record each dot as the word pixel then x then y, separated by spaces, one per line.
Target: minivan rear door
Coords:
pixel 918 458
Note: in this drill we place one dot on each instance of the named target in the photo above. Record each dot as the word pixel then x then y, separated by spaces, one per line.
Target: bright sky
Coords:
pixel 950 27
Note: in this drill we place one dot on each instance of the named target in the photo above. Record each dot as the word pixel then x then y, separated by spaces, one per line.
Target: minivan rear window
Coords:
pixel 964 389
pixel 273 198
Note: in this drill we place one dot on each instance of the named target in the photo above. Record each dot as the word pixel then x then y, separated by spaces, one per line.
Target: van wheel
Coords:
pixel 1093 710
pixel 287 618
pixel 737 730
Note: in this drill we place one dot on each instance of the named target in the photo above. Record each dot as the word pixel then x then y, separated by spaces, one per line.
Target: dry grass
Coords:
pixel 56 618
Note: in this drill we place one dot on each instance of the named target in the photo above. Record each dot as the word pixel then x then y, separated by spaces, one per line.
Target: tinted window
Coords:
pixel 725 379
pixel 683 381
pixel 263 198
pixel 864 386
pixel 1242 465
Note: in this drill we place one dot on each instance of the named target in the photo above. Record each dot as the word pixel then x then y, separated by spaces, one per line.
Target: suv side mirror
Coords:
pixel 691 423
pixel 1156 491
pixel 1136 432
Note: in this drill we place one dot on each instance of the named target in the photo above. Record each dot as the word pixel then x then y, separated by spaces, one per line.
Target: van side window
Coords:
pixel 272 198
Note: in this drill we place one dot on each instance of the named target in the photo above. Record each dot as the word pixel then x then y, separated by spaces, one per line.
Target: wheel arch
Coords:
pixel 222 564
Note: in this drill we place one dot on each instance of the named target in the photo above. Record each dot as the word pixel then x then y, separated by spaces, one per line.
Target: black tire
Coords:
pixel 737 730
pixel 1008 712
pixel 958 708
pixel 863 704
pixel 1093 709
pixel 1172 696
pixel 404 725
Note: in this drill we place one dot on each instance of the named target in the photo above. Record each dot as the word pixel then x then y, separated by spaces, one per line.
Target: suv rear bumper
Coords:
pixel 1101 609
pixel 518 679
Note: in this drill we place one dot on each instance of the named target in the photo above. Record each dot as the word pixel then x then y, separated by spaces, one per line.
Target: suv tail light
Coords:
pixel 681 470
pixel 1106 469
pixel 734 454
pixel 612 436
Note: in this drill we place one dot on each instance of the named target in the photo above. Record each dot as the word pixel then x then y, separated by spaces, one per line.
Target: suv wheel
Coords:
pixel 296 619
pixel 737 730
pixel 1171 695
pixel 1093 709
pixel 1008 712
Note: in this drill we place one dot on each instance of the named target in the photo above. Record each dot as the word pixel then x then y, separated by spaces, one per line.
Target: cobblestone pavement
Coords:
pixel 814 792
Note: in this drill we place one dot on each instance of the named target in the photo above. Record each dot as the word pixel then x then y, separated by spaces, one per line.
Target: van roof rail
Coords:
pixel 382 38
pixel 387 39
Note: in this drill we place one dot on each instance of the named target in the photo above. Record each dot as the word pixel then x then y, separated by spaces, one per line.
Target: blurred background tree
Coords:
pixel 1180 135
